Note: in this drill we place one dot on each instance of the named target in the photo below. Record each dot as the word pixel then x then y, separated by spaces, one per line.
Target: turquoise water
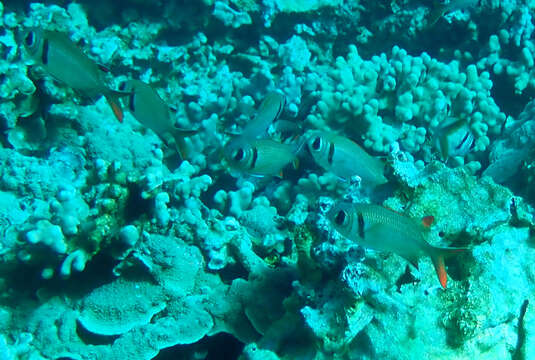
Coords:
pixel 267 180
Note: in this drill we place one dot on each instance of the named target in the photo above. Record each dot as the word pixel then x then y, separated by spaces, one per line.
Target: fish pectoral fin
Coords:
pixel 180 132
pixel 231 133
pixel 115 105
pixel 103 68
pixel 119 93
pixel 413 260
pixel 36 72
pixel 180 145
pixel 178 135
pixel 438 255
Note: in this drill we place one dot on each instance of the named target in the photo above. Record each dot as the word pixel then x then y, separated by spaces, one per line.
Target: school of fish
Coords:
pixel 255 152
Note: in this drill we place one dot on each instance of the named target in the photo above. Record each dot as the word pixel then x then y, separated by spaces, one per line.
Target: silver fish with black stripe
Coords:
pixel 345 158
pixel 62 59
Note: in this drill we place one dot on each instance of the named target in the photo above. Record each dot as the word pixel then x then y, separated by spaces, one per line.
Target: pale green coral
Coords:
pixel 397 98
pixel 304 5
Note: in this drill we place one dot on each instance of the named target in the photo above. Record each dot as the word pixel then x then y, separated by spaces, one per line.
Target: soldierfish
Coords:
pixel 345 159
pixel 149 109
pixel 66 63
pixel 268 112
pixel 442 8
pixel 382 229
pixel 261 157
pixel 454 138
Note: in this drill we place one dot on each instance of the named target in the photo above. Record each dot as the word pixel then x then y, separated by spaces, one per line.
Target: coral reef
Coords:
pixel 113 247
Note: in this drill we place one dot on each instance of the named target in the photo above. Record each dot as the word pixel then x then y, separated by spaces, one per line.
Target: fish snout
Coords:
pixel 234 152
pixel 339 215
pixel 315 142
pixel 30 40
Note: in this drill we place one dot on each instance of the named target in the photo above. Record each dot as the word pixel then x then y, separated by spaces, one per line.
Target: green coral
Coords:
pixel 246 5
pixel 304 5
pixel 305 239
pixel 462 318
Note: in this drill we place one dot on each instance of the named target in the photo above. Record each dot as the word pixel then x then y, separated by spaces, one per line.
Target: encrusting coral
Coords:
pixel 112 247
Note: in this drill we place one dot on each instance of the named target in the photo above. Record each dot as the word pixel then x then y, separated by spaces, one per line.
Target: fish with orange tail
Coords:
pixel 149 109
pixel 261 157
pixel 440 8
pixel 345 158
pixel 382 229
pixel 65 62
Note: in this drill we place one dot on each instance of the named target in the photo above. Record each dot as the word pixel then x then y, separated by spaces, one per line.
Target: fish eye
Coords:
pixel 239 154
pixel 340 217
pixel 122 86
pixel 30 38
pixel 316 143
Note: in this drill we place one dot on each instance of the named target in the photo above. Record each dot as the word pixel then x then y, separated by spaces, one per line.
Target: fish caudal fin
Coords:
pixel 113 100
pixel 438 255
pixel 434 14
pixel 178 135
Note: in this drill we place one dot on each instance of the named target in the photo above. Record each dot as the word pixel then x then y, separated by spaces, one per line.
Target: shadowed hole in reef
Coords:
pixel 460 265
pixel 135 204
pixel 220 346
pixel 223 182
pixel 90 338
pixel 519 353
pixel 406 278
pixel 26 277
pixel 503 93
pixel 233 271
pixel 362 347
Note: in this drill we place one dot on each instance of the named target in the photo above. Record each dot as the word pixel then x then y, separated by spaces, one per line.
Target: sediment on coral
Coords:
pixel 144 239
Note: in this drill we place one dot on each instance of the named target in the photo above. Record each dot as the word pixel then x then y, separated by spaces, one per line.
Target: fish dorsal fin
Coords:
pixel 103 68
pixel 437 256
pixel 394 211
pixel 113 101
pixel 435 14
pixel 428 220
pixel 413 260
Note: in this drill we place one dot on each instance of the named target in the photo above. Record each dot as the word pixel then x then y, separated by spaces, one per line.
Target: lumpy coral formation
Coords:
pixel 112 247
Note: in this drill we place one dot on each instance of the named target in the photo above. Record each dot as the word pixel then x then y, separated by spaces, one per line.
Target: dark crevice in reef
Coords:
pixel 461 265
pixel 136 206
pixel 222 182
pixel 519 353
pixel 25 281
pixel 220 346
pixel 232 272
pixel 97 272
pixel 90 338
pixel 503 93
pixel 365 347
pixel 406 278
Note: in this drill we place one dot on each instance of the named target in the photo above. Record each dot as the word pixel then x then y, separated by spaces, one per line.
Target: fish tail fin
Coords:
pixel 438 254
pixel 113 99
pixel 435 14
pixel 180 144
pixel 299 144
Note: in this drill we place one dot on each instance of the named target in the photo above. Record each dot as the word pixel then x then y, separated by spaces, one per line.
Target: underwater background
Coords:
pixel 187 179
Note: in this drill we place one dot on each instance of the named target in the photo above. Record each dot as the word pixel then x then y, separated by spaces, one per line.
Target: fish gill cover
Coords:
pixel 204 225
